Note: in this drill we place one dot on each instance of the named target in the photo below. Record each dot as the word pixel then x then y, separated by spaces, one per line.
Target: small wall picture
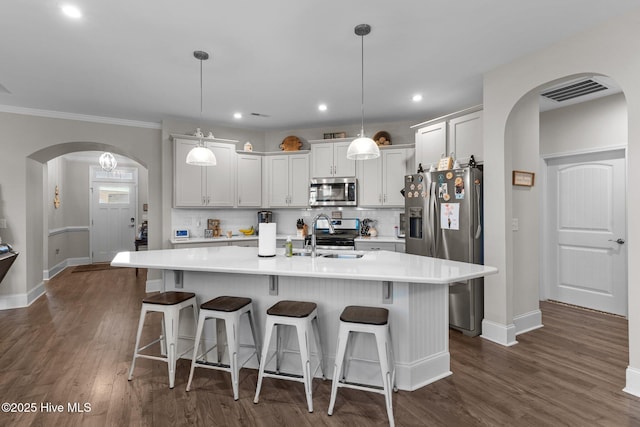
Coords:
pixel 208 233
pixel 524 179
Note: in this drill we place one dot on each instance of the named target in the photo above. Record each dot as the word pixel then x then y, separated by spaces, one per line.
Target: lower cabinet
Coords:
pixel 380 246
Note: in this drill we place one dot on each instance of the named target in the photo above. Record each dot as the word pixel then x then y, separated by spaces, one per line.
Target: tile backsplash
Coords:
pixel 234 219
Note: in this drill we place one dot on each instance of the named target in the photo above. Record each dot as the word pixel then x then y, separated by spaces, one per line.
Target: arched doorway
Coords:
pixel 67 228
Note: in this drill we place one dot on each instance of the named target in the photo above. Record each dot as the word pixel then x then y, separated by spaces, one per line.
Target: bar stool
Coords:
pixel 229 309
pixel 169 304
pixel 304 317
pixel 371 320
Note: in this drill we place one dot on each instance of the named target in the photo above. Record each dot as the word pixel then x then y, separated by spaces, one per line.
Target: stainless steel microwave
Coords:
pixel 333 192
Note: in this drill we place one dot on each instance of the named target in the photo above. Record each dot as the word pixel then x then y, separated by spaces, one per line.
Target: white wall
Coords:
pixel 522 135
pixel 590 125
pixel 28 143
pixel 611 50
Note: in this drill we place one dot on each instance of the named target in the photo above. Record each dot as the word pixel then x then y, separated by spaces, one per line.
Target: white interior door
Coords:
pixel 587 255
pixel 113 218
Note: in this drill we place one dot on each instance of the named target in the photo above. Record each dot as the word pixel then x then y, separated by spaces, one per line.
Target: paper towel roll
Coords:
pixel 267 239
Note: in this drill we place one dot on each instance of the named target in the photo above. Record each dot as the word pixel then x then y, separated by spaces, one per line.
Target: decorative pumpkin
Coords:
pixel 291 143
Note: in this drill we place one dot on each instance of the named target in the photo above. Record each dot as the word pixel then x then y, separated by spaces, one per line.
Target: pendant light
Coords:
pixel 107 161
pixel 201 155
pixel 362 148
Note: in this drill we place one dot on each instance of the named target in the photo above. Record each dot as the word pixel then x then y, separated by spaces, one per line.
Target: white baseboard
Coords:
pixel 8 302
pixel 633 381
pixel 528 322
pixel 498 333
pixel 153 285
pixel 56 269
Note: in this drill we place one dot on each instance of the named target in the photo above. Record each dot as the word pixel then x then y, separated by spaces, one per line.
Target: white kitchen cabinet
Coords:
pixel 371 245
pixel 249 180
pixel 431 144
pixel 465 137
pixel 460 135
pixel 204 186
pixel 329 159
pixel 288 180
pixel 380 180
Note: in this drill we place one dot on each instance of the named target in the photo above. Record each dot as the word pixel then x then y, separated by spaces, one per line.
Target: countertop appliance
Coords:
pixel 333 192
pixel 344 238
pixel 265 216
pixel 443 213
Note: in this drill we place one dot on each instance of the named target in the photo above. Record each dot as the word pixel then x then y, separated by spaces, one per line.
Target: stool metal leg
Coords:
pixel 316 334
pixel 143 313
pixel 254 332
pixel 196 347
pixel 303 339
pixel 387 380
pixel 263 360
pixel 343 338
pixel 170 326
pixel 233 346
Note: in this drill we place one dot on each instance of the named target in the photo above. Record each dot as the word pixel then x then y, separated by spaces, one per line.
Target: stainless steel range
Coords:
pixel 344 238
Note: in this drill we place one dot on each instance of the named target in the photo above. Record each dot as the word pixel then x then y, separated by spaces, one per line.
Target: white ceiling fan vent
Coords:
pixel 574 90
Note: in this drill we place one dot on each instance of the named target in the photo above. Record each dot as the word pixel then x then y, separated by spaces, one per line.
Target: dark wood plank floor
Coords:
pixel 74 345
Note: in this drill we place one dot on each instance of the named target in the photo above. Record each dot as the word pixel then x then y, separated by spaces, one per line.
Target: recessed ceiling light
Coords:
pixel 417 98
pixel 71 11
pixel 237 115
pixel 322 107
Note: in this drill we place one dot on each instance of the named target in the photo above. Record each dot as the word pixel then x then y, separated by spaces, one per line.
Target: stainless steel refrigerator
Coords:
pixel 443 214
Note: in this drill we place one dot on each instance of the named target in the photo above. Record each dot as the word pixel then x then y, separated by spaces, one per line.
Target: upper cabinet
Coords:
pixel 380 180
pixel 249 180
pixel 465 137
pixel 204 186
pixel 461 135
pixel 288 180
pixel 329 159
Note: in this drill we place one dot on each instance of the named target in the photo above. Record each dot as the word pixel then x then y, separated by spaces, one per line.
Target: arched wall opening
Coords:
pixel 38 200
pixel 531 135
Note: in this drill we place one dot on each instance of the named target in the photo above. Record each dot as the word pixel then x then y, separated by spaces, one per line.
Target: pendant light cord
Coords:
pixel 362 84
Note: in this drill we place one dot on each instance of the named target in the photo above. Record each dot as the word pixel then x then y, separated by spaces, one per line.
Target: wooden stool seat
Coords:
pixel 168 298
pixel 226 303
pixel 292 309
pixel 366 315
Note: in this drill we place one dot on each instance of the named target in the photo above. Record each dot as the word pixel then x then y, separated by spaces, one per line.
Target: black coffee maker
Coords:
pixel 265 216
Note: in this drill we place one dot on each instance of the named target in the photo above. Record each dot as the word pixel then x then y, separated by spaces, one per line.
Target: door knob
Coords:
pixel 618 241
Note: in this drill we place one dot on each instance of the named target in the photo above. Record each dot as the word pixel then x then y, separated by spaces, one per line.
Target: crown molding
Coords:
pixel 80 117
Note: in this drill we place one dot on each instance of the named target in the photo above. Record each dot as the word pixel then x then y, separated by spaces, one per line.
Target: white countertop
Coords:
pixel 374 265
pixel 235 238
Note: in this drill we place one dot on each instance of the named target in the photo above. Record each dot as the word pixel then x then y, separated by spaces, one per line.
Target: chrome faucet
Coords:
pixel 313 231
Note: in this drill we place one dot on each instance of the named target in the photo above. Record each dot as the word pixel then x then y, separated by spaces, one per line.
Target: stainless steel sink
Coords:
pixel 343 256
pixel 302 254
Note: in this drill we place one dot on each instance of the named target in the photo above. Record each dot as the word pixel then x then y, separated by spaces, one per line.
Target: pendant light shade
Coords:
pixel 107 161
pixel 201 155
pixel 362 148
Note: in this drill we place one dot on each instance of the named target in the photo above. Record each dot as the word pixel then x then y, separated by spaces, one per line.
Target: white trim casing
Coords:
pixel 8 302
pixel 500 334
pixel 633 381
pixel 528 321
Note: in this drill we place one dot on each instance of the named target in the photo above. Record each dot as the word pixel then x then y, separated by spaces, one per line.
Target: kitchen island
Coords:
pixel 413 288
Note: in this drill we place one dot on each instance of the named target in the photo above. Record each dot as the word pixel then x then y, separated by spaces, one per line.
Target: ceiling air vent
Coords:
pixel 574 90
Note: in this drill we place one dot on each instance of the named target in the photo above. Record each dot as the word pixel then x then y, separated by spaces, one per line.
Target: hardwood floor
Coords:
pixel 74 345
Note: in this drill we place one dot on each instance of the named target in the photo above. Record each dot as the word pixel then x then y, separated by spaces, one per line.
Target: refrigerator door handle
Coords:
pixel 479 230
pixel 433 200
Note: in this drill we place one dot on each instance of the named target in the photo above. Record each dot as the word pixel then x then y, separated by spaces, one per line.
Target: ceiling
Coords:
pixel 134 60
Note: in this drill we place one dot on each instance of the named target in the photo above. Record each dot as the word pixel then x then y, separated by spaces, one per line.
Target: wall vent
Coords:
pixel 574 90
